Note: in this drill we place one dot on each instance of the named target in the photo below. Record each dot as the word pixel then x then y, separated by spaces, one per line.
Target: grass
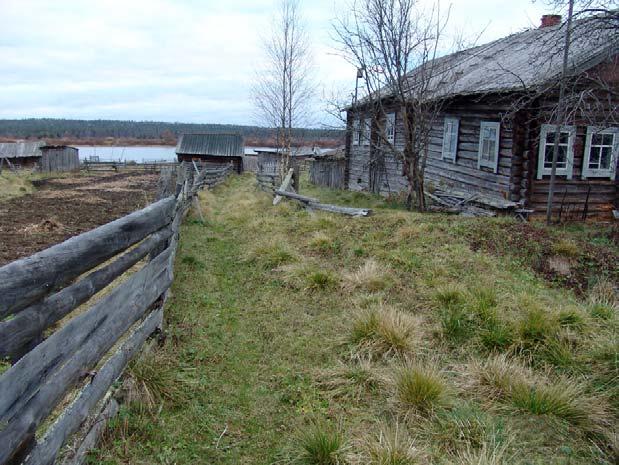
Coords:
pixel 321 444
pixel 284 323
pixel 420 388
pixel 14 184
pixel 382 331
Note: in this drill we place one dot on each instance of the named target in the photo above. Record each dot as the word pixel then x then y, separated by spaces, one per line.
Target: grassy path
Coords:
pixel 280 320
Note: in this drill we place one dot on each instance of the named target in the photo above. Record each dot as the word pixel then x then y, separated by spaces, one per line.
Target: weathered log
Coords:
pixel 46 449
pixel 24 281
pixel 342 210
pixel 16 333
pixel 31 388
pixel 315 204
pixel 295 196
pixel 285 186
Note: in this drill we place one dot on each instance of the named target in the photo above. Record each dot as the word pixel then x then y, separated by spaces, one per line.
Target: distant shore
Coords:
pixel 135 142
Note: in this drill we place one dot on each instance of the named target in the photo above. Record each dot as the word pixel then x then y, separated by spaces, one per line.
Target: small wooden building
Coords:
pixel 39 155
pixel 328 169
pixel 494 135
pixel 214 149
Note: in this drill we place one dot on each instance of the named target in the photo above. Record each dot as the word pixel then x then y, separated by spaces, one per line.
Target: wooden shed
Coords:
pixel 494 135
pixel 214 149
pixel 39 155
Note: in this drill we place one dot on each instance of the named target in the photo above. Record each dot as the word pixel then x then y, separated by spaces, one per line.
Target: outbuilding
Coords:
pixel 39 155
pixel 215 149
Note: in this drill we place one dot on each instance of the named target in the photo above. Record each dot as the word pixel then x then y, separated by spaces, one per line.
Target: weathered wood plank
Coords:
pixel 31 388
pixel 16 333
pixel 24 281
pixel 285 186
pixel 45 451
pixel 315 204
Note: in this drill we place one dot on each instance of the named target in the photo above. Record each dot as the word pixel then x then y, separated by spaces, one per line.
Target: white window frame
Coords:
pixel 612 169
pixel 492 164
pixel 569 165
pixel 356 131
pixel 390 127
pixel 367 131
pixel 452 135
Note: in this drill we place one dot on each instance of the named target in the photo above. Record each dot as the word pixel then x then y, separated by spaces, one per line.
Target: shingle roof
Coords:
pixel 523 60
pixel 21 149
pixel 218 144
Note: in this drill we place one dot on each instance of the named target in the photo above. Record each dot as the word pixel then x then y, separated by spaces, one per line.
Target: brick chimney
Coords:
pixel 550 20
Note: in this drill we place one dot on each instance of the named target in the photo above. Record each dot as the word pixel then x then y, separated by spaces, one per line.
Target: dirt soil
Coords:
pixel 63 207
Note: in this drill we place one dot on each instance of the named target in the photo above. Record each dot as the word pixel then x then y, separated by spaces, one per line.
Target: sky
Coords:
pixel 180 60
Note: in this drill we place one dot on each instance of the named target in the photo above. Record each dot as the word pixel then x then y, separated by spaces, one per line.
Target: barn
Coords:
pixel 215 149
pixel 39 155
pixel 493 138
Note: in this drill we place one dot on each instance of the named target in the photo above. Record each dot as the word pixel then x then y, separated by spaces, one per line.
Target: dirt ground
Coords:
pixel 65 206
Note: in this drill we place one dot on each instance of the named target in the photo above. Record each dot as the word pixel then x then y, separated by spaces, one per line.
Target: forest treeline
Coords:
pixel 73 129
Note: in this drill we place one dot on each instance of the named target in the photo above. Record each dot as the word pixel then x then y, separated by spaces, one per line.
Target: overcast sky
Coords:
pixel 175 60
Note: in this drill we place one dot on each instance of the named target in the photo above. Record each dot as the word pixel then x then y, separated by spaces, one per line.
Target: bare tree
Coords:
pixel 394 44
pixel 283 89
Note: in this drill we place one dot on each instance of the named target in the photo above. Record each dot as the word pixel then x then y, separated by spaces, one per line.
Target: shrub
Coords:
pixel 382 330
pixel 420 388
pixel 391 446
pixel 321 444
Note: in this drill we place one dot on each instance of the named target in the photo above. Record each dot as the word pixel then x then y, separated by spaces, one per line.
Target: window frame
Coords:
pixel 356 131
pixel 366 133
pixel 390 120
pixel 611 172
pixel 493 164
pixel 450 155
pixel 569 162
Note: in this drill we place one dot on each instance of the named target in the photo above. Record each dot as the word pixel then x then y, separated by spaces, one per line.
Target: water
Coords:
pixel 137 154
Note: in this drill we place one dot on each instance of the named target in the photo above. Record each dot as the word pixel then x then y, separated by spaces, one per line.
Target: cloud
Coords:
pixel 174 60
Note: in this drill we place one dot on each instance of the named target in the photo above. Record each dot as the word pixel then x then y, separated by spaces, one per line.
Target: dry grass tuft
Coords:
pixel 391 446
pixel 351 381
pixel 489 454
pixel 371 277
pixel 382 330
pixel 324 244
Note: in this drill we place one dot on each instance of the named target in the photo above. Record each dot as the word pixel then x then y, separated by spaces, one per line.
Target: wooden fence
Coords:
pixel 101 334
pixel 328 172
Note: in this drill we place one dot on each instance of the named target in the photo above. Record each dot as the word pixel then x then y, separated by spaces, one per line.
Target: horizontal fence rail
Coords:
pixel 39 291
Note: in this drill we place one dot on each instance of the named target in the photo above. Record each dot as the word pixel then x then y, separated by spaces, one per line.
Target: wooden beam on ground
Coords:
pixel 313 203
pixel 285 186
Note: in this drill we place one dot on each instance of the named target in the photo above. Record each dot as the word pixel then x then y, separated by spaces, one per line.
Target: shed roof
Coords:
pixel 21 149
pixel 524 60
pixel 217 144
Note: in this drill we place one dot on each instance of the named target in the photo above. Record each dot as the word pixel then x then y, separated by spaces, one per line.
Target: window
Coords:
pixel 565 158
pixel 367 131
pixel 450 138
pixel 356 132
pixel 601 153
pixel 390 127
pixel 489 145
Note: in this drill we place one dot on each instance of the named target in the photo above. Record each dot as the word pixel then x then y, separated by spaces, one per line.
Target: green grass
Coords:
pixel 282 323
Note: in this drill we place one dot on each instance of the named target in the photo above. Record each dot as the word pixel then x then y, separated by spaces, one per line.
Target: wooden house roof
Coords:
pixel 217 144
pixel 21 149
pixel 522 61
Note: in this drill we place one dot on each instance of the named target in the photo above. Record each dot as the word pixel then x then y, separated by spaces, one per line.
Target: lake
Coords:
pixel 137 154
